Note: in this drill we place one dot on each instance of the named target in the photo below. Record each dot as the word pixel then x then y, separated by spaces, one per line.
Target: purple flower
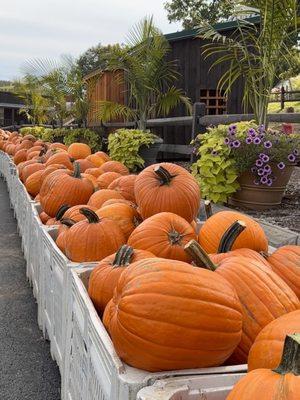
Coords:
pixel 236 143
pixel 257 140
pixel 260 172
pixel 259 163
pixel 251 132
pixel 261 128
pixel 266 158
pixel 264 179
pixel 291 157
pixel 227 140
pixel 232 130
pixel 261 155
pixel 267 169
pixel 253 170
pixel 231 144
pixel 249 140
pixel 281 165
pixel 296 152
pixel 256 182
pixel 214 153
pixel 268 144
pixel 270 182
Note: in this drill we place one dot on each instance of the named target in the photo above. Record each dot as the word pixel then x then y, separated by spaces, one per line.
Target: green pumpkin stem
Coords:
pixel 164 176
pixel 230 236
pixel 208 209
pixel 68 222
pixel 290 360
pixel 62 209
pixel 199 256
pixel 90 215
pixel 77 170
pixel 123 256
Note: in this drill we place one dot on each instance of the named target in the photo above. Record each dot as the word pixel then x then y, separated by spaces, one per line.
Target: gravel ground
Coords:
pixel 27 371
pixel 287 214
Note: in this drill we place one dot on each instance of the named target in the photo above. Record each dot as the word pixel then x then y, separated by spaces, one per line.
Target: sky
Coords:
pixel 48 28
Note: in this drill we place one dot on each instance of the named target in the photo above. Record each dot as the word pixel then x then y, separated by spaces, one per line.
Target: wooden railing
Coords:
pixel 285 96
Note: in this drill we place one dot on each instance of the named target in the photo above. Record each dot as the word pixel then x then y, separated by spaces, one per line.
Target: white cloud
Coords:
pixel 49 28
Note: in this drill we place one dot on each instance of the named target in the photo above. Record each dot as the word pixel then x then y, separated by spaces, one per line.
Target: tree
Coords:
pixel 256 53
pixel 194 13
pixel 150 77
pixel 94 58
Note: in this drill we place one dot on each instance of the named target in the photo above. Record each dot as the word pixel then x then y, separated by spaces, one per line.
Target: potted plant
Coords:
pixel 130 146
pixel 245 164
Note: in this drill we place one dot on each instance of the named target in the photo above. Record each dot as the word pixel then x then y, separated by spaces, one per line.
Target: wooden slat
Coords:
pixel 176 148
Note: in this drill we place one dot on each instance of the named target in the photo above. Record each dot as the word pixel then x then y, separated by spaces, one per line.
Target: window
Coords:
pixel 215 101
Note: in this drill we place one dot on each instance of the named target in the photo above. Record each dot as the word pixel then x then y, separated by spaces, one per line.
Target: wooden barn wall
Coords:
pixel 106 86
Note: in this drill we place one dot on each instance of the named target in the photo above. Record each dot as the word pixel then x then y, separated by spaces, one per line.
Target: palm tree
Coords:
pixel 255 53
pixel 36 106
pixel 148 74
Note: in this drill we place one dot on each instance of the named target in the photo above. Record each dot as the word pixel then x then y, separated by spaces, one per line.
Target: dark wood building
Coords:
pixel 10 105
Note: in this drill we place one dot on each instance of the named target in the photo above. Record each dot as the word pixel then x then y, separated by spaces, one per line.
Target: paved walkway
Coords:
pixel 27 371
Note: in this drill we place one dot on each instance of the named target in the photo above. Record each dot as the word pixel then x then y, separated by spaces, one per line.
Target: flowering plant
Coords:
pixel 225 152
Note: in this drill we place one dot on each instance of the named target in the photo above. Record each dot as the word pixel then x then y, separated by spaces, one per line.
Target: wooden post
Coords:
pixel 198 112
pixel 282 98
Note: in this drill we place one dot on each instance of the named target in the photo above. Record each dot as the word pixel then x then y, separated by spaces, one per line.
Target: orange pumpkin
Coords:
pixel 74 213
pixel 126 216
pixel 98 198
pixel 96 160
pixel 114 166
pixel 51 168
pixel 162 304
pixel 79 150
pixel 33 183
pixel 267 349
pixel 63 228
pixel 57 145
pixel 167 187
pixel 92 179
pixel 264 296
pixel 285 261
pixel 165 235
pixel 61 158
pixel 84 164
pixel 125 186
pixel 103 155
pixel 107 178
pixel 26 144
pixel 253 237
pixel 59 215
pixel 64 187
pixel 30 169
pixel 94 171
pixel 44 217
pixel 20 156
pixel 118 201
pixel 283 383
pixel 93 239
pixel 104 278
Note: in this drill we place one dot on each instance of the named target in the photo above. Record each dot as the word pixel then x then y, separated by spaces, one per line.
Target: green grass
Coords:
pixel 275 107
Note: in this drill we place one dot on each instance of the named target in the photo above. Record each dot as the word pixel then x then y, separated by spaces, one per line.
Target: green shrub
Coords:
pixel 124 145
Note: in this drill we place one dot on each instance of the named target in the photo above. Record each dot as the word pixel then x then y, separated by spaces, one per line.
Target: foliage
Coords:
pixel 150 77
pixel 124 145
pixel 193 13
pixel 295 81
pixel 255 53
pixel 225 152
pixel 95 57
pixel 276 107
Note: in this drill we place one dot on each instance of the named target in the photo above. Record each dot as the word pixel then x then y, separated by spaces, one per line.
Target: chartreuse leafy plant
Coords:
pixel 215 170
pixel 124 146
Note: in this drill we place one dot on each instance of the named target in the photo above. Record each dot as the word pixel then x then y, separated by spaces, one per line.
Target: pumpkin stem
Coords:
pixel 199 256
pixel 208 209
pixel 174 237
pixel 123 256
pixel 290 360
pixel 91 216
pixel 77 170
pixel 230 236
pixel 42 152
pixel 264 254
pixel 62 209
pixel 164 176
pixel 68 222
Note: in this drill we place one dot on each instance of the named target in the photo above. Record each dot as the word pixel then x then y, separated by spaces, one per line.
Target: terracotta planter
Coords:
pixel 261 197
pixel 149 154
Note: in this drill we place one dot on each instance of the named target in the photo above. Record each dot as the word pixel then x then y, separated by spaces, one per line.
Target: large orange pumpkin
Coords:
pixel 93 239
pixel 20 156
pixel 84 164
pixel 106 179
pixel 92 179
pixel 168 315
pixel 126 216
pixel 97 160
pixel 104 278
pixel 33 183
pixel 98 198
pixel 167 187
pixel 74 213
pixel 79 150
pixel 64 187
pixel 114 166
pixel 165 235
pixel 125 186
pixel 282 383
pixel 267 349
pixel 253 237
pixel 30 169
pixel 103 155
pixel 264 296
pixel 61 158
pixel 63 228
pixel 285 261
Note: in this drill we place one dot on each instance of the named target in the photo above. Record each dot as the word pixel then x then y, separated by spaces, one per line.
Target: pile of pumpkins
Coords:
pixel 172 294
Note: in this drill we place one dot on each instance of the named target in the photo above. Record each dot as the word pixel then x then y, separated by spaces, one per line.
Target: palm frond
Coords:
pixel 171 99
pixel 108 111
